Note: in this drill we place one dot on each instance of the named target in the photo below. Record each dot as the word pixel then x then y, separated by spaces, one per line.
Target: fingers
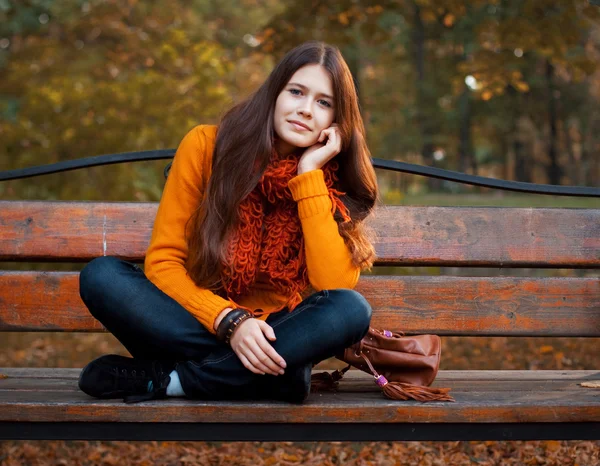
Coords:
pixel 254 351
pixel 251 361
pixel 327 133
pixel 264 363
pixel 248 365
pixel 266 329
pixel 270 357
pixel 268 348
pixel 332 134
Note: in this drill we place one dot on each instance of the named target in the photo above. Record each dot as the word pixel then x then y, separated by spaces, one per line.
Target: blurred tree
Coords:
pixel 537 48
pixel 445 54
pixel 112 76
pixel 479 87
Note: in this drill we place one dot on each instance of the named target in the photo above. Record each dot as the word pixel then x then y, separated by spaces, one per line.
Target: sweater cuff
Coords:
pixel 212 305
pixel 308 184
pixel 311 193
pixel 208 308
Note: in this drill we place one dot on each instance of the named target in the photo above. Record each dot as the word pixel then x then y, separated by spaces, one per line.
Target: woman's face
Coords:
pixel 307 99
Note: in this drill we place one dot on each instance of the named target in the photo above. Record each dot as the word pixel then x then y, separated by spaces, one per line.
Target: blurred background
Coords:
pixel 506 89
pixel 500 88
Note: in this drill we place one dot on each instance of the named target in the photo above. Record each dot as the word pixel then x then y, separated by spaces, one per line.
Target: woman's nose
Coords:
pixel 304 110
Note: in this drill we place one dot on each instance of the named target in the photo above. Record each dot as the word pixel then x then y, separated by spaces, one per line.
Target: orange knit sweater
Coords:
pixel 328 260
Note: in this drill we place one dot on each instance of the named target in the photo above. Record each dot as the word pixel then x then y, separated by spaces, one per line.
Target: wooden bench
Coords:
pixel 45 403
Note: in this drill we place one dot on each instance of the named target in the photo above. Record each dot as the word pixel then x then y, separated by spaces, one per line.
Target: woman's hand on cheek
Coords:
pixel 327 147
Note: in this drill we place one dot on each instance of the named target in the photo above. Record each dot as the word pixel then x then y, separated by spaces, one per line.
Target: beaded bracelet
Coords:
pixel 226 322
pixel 234 325
pixel 223 331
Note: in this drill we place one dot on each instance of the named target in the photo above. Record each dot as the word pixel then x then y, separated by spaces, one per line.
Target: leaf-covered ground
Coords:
pixel 294 453
pixel 75 350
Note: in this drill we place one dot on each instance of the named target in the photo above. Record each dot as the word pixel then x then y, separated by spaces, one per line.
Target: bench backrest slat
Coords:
pixel 510 306
pixel 410 236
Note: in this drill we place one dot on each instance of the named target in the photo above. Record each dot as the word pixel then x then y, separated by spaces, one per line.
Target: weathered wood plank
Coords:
pixel 74 231
pixel 49 301
pixel 43 301
pixel 357 383
pixel 485 402
pixel 354 374
pixel 51 395
pixel 416 236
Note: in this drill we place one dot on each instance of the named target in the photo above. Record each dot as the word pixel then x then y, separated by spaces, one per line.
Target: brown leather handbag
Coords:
pixel 403 366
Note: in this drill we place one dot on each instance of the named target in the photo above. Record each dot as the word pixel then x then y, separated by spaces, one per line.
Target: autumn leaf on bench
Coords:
pixel 595 384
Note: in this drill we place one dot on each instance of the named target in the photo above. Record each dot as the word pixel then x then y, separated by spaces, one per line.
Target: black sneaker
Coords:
pixel 114 376
pixel 293 386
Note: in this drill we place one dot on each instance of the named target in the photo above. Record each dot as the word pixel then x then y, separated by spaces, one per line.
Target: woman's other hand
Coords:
pixel 327 147
pixel 256 353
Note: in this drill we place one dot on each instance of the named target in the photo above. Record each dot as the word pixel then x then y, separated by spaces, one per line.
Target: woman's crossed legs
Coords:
pixel 152 325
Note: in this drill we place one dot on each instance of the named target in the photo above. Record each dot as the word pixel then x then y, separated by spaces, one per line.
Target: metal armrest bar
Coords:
pixel 449 175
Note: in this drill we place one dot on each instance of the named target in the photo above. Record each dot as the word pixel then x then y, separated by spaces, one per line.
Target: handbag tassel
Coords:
pixel 407 391
pixel 393 390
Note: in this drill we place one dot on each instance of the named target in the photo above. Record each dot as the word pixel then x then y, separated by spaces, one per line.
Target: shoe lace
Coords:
pixel 131 380
pixel 159 384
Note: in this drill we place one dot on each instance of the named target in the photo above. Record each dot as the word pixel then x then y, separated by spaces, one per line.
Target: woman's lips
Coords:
pixel 298 127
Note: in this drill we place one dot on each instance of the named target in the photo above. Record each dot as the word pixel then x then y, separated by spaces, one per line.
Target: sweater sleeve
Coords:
pixel 167 253
pixel 328 259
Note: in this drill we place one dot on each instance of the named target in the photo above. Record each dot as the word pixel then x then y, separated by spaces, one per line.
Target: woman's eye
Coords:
pixel 299 92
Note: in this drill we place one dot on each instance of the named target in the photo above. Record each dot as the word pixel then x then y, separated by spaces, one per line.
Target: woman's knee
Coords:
pixel 356 309
pixel 97 275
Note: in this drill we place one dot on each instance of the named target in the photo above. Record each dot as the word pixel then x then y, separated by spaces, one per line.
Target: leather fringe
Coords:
pixel 326 381
pixel 406 391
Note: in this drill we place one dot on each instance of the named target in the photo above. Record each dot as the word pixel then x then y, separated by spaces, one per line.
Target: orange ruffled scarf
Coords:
pixel 269 239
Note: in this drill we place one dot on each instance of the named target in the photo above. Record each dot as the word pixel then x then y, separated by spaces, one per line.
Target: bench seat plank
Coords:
pixel 463 384
pixel 24 373
pixel 406 236
pixel 51 395
pixel 444 305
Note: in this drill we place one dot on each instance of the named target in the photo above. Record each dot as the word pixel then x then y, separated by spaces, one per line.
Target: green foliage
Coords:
pixel 415 59
pixel 115 77
pixel 466 82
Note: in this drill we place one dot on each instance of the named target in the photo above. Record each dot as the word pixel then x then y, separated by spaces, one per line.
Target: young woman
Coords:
pixel 257 245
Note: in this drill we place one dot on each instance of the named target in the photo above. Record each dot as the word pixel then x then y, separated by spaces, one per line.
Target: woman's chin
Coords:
pixel 291 143
pixel 299 141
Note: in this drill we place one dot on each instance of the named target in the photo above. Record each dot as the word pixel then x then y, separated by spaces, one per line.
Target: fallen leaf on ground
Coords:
pixel 591 384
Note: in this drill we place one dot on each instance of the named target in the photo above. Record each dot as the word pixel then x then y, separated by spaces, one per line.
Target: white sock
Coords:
pixel 174 387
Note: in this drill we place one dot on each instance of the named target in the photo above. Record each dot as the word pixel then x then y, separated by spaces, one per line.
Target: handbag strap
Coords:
pixel 329 380
pixel 378 378
pixel 325 381
pixel 393 390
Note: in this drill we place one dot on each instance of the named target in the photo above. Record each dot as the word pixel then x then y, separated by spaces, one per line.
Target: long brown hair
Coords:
pixel 244 144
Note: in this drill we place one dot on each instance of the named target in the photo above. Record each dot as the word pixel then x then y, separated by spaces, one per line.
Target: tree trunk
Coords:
pixel 465 147
pixel 554 170
pixel 517 138
pixel 424 123
pixel 521 170
pixel 590 155
pixel 352 54
pixel 522 154
pixel 574 164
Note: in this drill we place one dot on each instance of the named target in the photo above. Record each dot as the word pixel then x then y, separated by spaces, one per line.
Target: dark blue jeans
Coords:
pixel 151 325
